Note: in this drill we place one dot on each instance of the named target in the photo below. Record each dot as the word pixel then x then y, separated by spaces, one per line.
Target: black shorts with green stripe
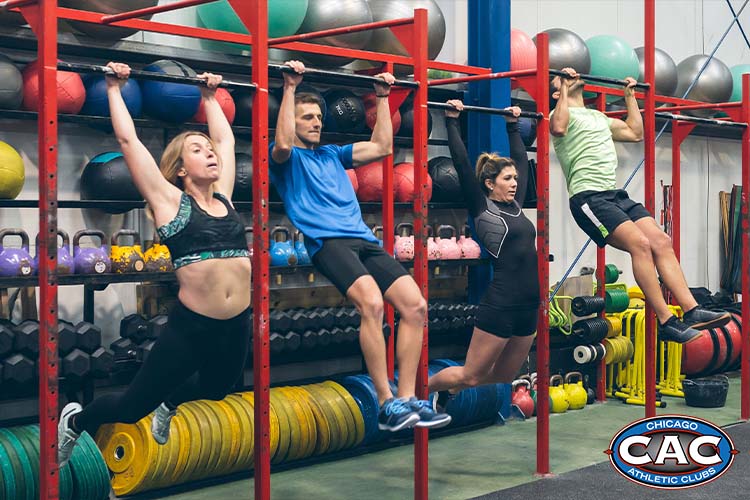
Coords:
pixel 599 213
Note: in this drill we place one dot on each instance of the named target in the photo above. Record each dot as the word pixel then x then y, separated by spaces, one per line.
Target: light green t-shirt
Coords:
pixel 587 152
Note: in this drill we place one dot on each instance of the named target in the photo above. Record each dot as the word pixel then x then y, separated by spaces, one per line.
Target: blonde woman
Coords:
pixel 202 353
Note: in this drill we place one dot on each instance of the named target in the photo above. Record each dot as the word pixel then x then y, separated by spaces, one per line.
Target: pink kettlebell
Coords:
pixel 404 245
pixel 449 248
pixel 433 250
pixel 469 248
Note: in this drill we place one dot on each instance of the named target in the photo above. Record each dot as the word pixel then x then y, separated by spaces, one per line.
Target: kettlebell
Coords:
pixel 469 248
pixel 404 246
pixel 449 248
pixel 303 258
pixel 433 250
pixel 558 398
pixel 590 394
pixel 157 258
pixel 249 229
pixel 126 259
pixel 282 251
pixel 378 232
pixel 65 262
pixel 16 261
pixel 521 397
pixel 576 393
pixel 90 260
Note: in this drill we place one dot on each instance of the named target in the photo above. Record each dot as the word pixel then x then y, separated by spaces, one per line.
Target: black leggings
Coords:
pixel 197 357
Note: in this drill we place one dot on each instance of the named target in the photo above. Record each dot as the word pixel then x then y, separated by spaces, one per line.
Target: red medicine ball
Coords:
pixel 403 182
pixel 371 113
pixel 225 101
pixel 370 180
pixel 71 94
pixel 353 178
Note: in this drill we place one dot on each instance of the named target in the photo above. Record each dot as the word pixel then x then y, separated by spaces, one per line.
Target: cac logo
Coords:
pixel 671 452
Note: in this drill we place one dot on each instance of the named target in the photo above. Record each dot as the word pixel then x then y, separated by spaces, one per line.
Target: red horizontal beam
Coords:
pixel 487 76
pixel 156 27
pixel 341 31
pixel 181 4
pixel 330 50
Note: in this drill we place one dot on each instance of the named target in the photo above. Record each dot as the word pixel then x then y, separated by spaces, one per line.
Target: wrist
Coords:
pixel 382 95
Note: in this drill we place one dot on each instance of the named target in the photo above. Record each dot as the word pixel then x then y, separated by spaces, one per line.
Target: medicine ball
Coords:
pixel 11 84
pixel 352 174
pixel 71 93
pixel 407 122
pixel 403 183
pixel 370 181
pixel 527 129
pixel 97 102
pixel 171 102
pixel 243 180
pixel 243 103
pixel 446 186
pixel 106 177
pixel 225 102
pixel 12 173
pixel 346 112
pixel 371 113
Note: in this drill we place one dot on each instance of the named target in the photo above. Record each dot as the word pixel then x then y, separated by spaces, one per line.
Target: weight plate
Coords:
pixel 245 437
pixel 354 410
pixel 8 475
pixel 31 447
pixel 181 441
pixel 277 407
pixel 282 405
pixel 21 465
pixel 168 456
pixel 329 421
pixel 230 434
pixel 66 479
pixel 367 404
pixel 100 468
pixel 130 452
pixel 193 452
pixel 308 423
pixel 212 437
pixel 219 428
pixel 274 425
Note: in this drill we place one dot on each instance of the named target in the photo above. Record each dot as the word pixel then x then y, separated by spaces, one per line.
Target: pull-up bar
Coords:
pixel 349 76
pixel 480 109
pixel 600 79
pixel 697 119
pixel 147 11
pixel 150 75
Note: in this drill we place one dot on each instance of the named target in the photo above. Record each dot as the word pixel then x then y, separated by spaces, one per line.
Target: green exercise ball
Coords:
pixel 737 72
pixel 284 18
pixel 613 57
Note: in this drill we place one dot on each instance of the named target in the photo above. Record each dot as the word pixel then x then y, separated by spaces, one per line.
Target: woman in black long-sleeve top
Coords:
pixel 506 320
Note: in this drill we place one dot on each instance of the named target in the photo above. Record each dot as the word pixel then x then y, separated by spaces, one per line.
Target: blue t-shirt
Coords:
pixel 318 197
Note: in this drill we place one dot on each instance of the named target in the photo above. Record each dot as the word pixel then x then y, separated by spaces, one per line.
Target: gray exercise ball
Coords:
pixel 106 7
pixel 11 18
pixel 567 50
pixel 665 71
pixel 383 40
pixel 714 84
pixel 11 84
pixel 325 15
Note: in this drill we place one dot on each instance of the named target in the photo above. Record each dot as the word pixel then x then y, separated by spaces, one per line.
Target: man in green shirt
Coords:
pixel 584 143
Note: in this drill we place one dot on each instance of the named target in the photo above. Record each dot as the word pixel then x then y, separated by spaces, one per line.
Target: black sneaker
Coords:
pixel 701 319
pixel 396 414
pixel 440 400
pixel 675 330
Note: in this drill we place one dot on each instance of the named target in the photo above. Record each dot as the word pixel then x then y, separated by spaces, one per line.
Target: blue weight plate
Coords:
pixel 361 394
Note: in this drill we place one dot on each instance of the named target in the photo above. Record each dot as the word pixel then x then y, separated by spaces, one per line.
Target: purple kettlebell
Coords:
pixel 91 260
pixel 16 261
pixel 65 262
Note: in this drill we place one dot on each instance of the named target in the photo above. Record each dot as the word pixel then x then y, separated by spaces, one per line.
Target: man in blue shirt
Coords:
pixel 320 201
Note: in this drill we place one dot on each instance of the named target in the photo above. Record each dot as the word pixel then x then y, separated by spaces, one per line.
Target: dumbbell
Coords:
pixel 18 369
pixel 157 325
pixel 351 334
pixel 134 327
pixel 144 349
pixel 324 337
pixel 300 321
pixel 341 317
pixel 102 362
pixel 123 349
pixel 437 326
pixel 326 318
pixel 354 317
pixel 309 339
pixel 337 335
pixel 88 337
pixel 293 341
pixel 75 365
pixel 7 337
pixel 276 341
pixel 281 321
pixel 27 338
pixel 66 336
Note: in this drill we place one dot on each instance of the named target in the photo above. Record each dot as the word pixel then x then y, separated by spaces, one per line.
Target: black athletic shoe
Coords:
pixel 701 319
pixel 440 400
pixel 675 330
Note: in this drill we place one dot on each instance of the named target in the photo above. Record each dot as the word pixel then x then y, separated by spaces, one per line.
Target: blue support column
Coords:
pixel 489 47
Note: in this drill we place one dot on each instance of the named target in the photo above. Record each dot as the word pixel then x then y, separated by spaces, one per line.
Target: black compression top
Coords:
pixel 503 229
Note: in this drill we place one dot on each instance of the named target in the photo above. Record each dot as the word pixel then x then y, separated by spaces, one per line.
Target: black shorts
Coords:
pixel 343 260
pixel 599 213
pixel 506 323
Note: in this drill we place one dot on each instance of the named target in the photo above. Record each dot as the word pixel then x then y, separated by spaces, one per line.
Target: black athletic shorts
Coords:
pixel 343 260
pixel 506 323
pixel 599 213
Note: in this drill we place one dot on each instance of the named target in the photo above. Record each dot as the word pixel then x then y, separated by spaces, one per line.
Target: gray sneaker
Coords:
pixel 66 437
pixel 160 423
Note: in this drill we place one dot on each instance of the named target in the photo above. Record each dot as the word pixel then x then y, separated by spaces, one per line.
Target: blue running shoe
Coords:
pixel 428 417
pixel 396 414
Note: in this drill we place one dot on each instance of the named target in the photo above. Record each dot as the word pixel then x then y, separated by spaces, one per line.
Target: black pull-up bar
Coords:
pixel 698 119
pixel 599 79
pixel 480 109
pixel 346 76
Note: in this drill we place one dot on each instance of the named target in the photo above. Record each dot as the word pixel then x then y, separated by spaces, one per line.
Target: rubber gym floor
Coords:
pixel 497 462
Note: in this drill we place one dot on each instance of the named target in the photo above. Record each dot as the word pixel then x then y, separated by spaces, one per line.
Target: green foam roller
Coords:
pixel 611 273
pixel 616 301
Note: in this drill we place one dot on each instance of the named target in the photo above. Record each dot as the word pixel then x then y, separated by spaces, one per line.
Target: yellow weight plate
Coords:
pixel 331 421
pixel 170 457
pixel 307 421
pixel 289 424
pixel 192 452
pixel 343 415
pixel 359 421
pixel 130 452
pixel 323 430
pixel 162 458
pixel 220 422
pixel 215 437
pixel 203 429
pixel 274 424
pixel 231 434
pixel 245 437
pixel 182 444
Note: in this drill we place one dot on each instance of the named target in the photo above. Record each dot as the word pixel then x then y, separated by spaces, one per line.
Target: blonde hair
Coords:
pixel 489 166
pixel 171 160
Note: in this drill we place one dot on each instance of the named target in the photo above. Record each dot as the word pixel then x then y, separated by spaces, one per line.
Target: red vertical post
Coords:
pixel 601 288
pixel 421 271
pixel 542 247
pixel 254 14
pixel 45 26
pixel 745 384
pixel 388 242
pixel 649 185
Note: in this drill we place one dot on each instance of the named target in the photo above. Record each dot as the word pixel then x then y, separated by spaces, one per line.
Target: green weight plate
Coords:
pixel 32 453
pixel 100 467
pixel 8 473
pixel 21 465
pixel 66 479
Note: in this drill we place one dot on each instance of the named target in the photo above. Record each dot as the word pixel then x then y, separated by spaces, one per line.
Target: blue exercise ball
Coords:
pixel 97 102
pixel 172 102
